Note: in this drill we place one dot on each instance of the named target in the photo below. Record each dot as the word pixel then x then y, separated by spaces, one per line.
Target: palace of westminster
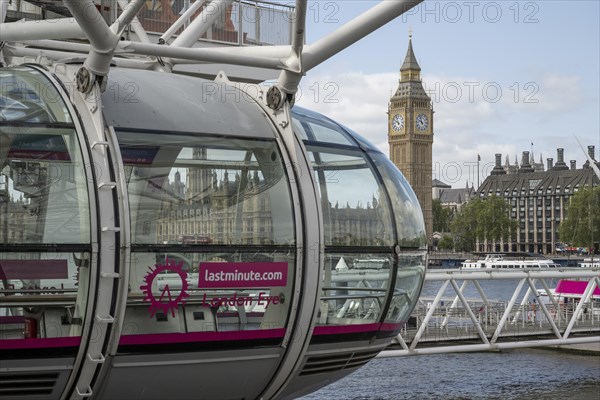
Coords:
pixel 537 198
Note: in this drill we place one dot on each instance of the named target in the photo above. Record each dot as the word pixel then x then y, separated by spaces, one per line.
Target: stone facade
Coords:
pixel 537 199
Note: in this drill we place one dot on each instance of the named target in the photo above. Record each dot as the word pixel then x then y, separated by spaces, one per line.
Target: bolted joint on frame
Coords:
pixel 85 80
pixel 277 96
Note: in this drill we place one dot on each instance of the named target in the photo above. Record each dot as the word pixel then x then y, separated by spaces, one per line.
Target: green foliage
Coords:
pixel 494 220
pixel 581 227
pixel 482 219
pixel 441 217
pixel 464 226
pixel 446 243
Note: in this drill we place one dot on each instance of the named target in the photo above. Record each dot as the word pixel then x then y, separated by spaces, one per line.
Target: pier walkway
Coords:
pixel 532 315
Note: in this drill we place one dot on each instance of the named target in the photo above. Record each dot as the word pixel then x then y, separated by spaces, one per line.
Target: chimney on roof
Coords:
pixel 591 154
pixel 525 166
pixel 498 170
pixel 550 163
pixel 573 164
pixel 560 162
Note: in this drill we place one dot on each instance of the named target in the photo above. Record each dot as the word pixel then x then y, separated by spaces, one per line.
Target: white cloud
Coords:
pixel 472 116
pixel 356 100
pixel 554 93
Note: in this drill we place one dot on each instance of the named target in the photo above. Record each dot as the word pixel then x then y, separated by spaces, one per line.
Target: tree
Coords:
pixel 495 221
pixel 446 243
pixel 581 227
pixel 441 216
pixel 482 220
pixel 464 225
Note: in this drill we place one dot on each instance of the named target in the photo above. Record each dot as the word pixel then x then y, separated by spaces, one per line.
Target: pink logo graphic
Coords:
pixel 239 275
pixel 165 301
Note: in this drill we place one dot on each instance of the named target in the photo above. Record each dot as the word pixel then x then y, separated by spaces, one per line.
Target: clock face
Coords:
pixel 397 122
pixel 421 122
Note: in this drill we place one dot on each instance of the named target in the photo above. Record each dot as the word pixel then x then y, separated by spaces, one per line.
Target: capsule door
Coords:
pixel 211 229
pixel 47 237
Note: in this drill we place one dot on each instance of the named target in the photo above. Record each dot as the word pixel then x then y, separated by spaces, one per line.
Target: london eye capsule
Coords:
pixel 164 235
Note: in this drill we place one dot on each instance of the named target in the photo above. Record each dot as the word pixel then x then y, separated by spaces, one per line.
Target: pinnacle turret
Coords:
pixel 410 61
pixel 410 85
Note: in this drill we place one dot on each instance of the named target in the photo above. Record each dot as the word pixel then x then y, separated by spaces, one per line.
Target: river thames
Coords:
pixel 528 374
pixel 524 374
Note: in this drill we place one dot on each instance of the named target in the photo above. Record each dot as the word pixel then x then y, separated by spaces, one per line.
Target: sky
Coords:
pixel 504 77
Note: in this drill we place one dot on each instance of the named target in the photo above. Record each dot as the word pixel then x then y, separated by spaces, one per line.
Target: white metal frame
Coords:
pixel 108 279
pixel 294 61
pixel 562 335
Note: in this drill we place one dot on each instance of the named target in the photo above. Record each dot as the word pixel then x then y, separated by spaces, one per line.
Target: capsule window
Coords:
pixel 45 226
pixel 358 228
pixel 412 242
pixel 212 232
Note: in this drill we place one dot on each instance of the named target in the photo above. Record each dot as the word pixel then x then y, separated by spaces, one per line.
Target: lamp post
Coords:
pixel 478 160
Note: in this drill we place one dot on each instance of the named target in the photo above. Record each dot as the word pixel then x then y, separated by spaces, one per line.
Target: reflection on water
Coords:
pixel 516 374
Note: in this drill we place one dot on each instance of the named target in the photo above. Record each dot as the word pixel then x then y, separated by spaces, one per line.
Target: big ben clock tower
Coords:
pixel 410 133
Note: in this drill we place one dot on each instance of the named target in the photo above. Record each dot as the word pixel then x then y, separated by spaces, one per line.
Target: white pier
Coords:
pixel 533 316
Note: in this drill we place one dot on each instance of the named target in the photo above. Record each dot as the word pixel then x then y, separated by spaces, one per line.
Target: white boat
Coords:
pixel 590 263
pixel 500 261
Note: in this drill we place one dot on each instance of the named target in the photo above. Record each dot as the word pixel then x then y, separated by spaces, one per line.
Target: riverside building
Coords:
pixel 537 199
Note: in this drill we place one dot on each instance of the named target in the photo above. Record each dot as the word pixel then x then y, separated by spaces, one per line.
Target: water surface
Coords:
pixel 528 374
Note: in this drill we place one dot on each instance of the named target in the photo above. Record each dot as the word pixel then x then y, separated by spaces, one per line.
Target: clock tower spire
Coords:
pixel 410 132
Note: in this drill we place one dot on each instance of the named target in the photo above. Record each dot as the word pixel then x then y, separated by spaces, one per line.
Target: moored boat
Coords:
pixel 500 261
pixel 592 262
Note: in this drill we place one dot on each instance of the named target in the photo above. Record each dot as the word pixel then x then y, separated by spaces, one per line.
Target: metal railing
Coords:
pixel 534 315
pixel 242 23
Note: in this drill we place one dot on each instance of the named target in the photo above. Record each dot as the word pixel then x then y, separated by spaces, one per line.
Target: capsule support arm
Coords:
pixel 103 40
pixel 310 56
